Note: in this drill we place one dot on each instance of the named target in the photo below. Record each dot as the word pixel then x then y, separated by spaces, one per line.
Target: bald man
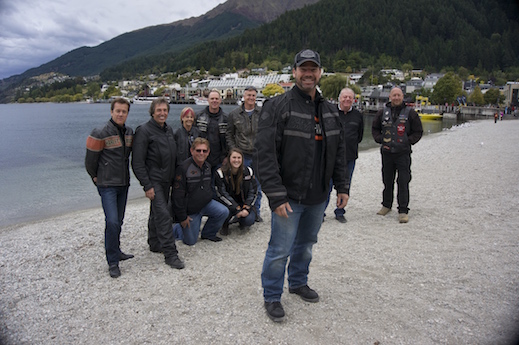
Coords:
pixel 396 127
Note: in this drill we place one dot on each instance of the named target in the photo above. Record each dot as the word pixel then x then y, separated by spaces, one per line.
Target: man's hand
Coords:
pixel 282 210
pixel 185 223
pixel 150 193
pixel 342 200
pixel 243 213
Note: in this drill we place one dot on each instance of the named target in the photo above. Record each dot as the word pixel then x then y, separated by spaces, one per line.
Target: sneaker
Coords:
pixel 275 311
pixel 305 293
pixel 114 270
pixel 341 219
pixel 175 262
pixel 403 217
pixel 383 211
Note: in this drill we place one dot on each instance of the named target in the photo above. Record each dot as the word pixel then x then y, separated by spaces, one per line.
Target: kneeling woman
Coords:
pixel 236 188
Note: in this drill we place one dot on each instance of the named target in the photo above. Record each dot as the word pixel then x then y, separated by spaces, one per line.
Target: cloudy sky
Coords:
pixel 33 32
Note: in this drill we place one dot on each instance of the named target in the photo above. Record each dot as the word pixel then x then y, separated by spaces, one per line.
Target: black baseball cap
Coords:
pixel 307 55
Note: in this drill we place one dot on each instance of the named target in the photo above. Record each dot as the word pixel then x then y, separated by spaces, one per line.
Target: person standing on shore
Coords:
pixel 352 122
pixel 186 134
pixel 212 123
pixel 107 162
pixel 396 127
pixel 299 149
pixel 153 163
pixel 242 126
pixel 192 198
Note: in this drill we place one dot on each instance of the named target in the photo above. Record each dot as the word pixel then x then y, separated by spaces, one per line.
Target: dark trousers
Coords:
pixel 391 164
pixel 160 225
pixel 113 200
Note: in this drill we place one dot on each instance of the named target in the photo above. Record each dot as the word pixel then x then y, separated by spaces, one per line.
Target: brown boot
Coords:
pixel 383 211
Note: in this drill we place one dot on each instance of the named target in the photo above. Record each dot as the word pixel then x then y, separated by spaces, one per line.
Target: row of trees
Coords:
pixel 70 90
pixel 432 34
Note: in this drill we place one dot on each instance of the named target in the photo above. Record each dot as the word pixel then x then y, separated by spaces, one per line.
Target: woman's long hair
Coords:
pixel 233 180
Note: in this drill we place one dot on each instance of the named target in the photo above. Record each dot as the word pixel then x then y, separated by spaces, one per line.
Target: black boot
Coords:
pixel 224 231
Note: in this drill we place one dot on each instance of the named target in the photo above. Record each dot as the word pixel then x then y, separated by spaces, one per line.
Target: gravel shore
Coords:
pixel 449 276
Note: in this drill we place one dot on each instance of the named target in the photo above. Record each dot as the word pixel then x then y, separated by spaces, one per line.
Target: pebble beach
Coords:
pixel 448 276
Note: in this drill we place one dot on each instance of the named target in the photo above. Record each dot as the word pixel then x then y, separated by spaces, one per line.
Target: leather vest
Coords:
pixel 394 133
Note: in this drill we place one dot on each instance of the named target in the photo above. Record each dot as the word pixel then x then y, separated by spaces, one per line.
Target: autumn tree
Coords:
pixel 272 90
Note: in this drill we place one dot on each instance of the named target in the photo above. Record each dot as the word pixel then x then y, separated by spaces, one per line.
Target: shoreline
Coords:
pixel 449 276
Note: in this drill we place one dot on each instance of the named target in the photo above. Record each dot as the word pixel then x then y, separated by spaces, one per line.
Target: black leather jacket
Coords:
pixel 353 127
pixel 225 193
pixel 154 154
pixel 213 127
pixel 192 189
pixel 285 145
pixel 184 140
pixel 107 156
pixel 403 123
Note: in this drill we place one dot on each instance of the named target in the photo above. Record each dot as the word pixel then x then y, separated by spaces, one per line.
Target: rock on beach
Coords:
pixel 449 276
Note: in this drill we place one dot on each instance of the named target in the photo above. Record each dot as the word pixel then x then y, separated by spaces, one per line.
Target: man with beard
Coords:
pixel 299 149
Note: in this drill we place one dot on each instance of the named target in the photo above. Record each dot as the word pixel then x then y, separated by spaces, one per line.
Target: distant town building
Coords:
pixel 431 80
pixel 414 84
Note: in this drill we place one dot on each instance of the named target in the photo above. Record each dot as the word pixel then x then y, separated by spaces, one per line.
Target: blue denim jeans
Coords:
pixel 113 200
pixel 340 211
pixel 290 237
pixel 216 212
pixel 248 162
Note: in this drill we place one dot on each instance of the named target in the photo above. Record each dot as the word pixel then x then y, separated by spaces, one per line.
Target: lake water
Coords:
pixel 42 151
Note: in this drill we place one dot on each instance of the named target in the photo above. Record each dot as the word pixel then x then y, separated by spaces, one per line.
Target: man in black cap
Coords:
pixel 299 149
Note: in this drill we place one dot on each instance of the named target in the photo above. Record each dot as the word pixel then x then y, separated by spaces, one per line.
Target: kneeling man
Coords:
pixel 192 198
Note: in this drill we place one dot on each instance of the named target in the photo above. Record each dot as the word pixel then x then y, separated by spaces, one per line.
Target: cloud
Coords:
pixel 34 32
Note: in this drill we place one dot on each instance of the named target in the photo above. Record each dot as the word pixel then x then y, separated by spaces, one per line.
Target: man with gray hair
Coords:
pixel 352 122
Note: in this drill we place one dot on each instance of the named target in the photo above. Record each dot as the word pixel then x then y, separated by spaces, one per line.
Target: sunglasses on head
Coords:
pixel 201 150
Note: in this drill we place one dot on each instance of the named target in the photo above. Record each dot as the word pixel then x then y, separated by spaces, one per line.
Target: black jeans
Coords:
pixel 391 164
pixel 160 225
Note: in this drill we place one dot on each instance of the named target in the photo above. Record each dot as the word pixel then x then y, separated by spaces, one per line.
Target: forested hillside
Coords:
pixel 428 34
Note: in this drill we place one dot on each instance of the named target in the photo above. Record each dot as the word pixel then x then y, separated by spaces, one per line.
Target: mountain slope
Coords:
pixel 226 20
pixel 431 34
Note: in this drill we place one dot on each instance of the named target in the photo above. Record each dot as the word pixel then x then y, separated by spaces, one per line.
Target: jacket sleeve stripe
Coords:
pixel 95 144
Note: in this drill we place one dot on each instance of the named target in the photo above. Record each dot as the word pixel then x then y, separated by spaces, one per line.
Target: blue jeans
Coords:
pixel 113 200
pixel 340 211
pixel 246 221
pixel 290 237
pixel 216 212
pixel 248 162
